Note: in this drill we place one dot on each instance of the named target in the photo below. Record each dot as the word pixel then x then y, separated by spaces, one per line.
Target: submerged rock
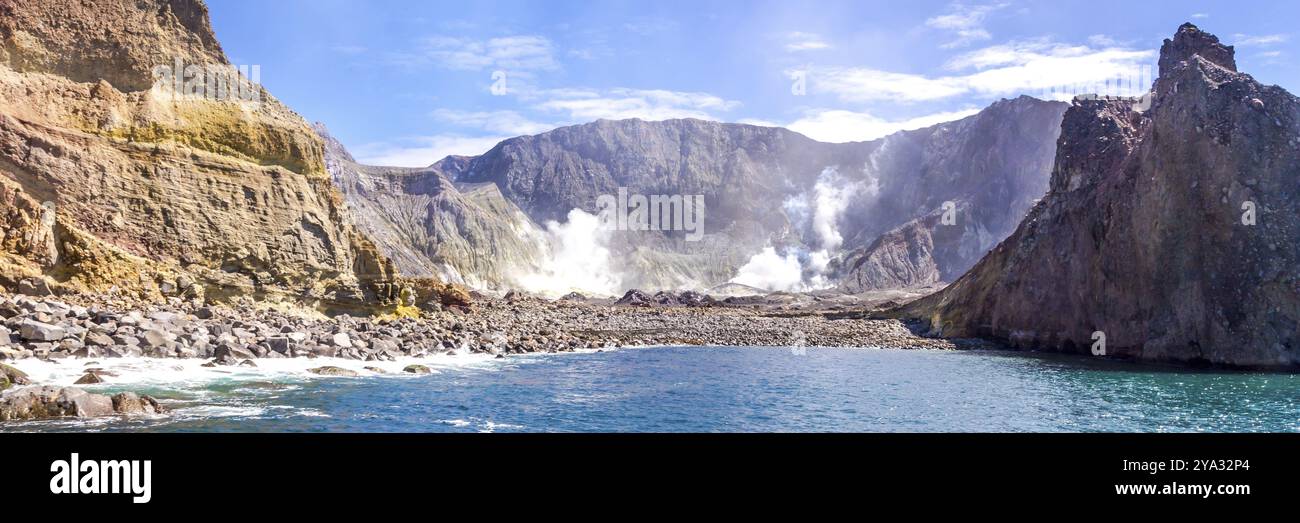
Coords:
pixel 132 403
pixel 332 371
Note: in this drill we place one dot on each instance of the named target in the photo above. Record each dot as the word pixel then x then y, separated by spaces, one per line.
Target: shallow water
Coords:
pixel 674 389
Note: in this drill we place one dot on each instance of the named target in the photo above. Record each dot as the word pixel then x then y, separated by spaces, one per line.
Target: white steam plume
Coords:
pixel 576 258
pixel 820 210
pixel 770 271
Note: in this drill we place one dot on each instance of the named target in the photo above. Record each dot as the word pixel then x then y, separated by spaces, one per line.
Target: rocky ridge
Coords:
pixel 992 166
pixel 432 227
pixel 1171 232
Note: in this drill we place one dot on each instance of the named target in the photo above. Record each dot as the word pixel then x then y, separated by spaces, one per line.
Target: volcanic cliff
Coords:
pixel 1171 233
pixel 112 179
pixel 762 186
pixel 433 227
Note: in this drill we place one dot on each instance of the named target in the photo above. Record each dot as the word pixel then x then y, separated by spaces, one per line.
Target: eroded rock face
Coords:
pixel 115 179
pixel 432 227
pixel 1145 233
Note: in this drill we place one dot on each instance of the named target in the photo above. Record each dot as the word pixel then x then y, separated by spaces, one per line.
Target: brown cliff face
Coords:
pixel 227 191
pixel 1144 233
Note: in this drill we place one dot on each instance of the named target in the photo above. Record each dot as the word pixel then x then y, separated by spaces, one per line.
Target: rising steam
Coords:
pixel 818 211
pixel 575 257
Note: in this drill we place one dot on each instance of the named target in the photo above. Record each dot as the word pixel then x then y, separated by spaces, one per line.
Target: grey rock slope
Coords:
pixel 992 167
pixel 1144 234
pixel 760 186
pixel 430 226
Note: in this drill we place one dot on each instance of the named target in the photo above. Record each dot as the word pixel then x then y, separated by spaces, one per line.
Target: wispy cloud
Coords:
pixel 578 105
pixel 520 52
pixel 1200 15
pixel 839 126
pixel 478 131
pixel 1244 40
pixel 421 151
pixel 798 41
pixel 1004 69
pixel 509 123
pixel 965 23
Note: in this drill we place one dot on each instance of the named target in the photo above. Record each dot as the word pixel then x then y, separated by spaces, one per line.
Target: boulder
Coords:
pixel 332 371
pixel 89 378
pixel 635 298
pixel 232 350
pixel 417 369
pixel 154 338
pixel 34 287
pixel 130 403
pixel 280 344
pixel 98 339
pixel 10 376
pixel 32 330
pixel 53 402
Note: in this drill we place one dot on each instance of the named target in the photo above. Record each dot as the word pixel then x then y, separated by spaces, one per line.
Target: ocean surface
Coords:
pixel 697 389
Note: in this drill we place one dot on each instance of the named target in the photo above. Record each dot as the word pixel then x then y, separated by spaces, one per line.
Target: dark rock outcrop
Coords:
pixel 1172 231
pixel 46 402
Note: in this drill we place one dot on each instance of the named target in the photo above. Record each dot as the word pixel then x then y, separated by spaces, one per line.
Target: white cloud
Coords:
pixel 999 70
pixel 965 23
pixel 855 84
pixel 838 126
pixel 484 129
pixel 501 122
pixel 646 104
pixel 797 41
pixel 1101 40
pixel 1200 15
pixel 1243 40
pixel 421 151
pixel 521 52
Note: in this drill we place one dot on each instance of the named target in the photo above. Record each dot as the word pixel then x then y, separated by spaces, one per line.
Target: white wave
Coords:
pixel 191 374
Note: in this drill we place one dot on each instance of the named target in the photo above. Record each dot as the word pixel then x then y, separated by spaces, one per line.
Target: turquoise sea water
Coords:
pixel 675 389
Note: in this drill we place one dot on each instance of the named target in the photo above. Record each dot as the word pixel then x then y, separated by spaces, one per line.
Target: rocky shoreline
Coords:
pixel 83 330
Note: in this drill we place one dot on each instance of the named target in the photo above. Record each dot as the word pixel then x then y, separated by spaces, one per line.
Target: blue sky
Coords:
pixel 405 82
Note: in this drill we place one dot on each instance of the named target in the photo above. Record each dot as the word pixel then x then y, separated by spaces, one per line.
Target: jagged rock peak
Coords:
pixel 1191 41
